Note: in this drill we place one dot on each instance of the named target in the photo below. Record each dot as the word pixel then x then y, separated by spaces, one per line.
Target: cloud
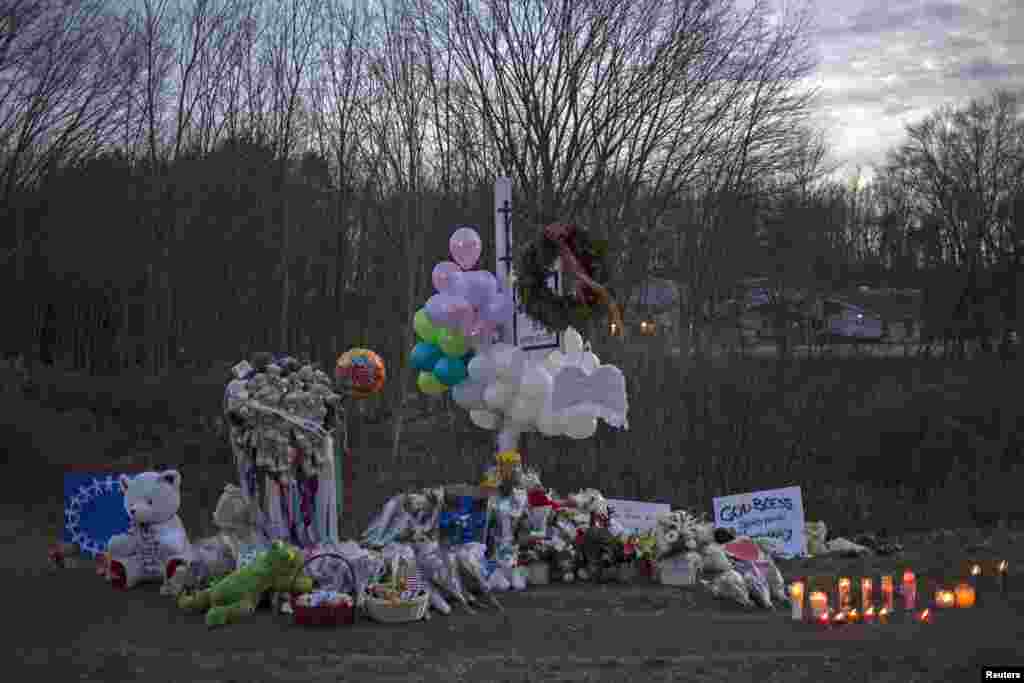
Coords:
pixel 886 63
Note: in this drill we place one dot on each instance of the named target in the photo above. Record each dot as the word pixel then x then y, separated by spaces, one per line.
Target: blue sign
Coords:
pixel 93 509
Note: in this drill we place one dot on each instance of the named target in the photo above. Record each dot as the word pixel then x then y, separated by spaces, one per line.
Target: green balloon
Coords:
pixel 429 384
pixel 425 329
pixel 452 342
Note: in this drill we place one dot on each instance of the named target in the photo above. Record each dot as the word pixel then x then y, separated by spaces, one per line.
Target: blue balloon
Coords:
pixel 425 356
pixel 450 371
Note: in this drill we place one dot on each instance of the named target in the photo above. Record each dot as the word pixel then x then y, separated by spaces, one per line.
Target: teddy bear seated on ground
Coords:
pixel 240 534
pixel 156 542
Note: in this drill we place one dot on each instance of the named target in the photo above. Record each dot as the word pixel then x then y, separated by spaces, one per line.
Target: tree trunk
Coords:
pixel 286 274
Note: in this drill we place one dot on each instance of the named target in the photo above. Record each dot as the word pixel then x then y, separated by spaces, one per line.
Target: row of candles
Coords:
pixel 964 596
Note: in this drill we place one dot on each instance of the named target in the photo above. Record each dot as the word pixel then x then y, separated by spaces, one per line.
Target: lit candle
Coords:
pixel 973 574
pixel 965 595
pixel 869 614
pixel 909 590
pixel 1004 569
pixel 796 596
pixel 823 619
pixel 887 593
pixel 840 618
pixel 925 617
pixel 853 616
pixel 866 587
pixel 945 598
pixel 883 615
pixel 819 605
pixel 844 593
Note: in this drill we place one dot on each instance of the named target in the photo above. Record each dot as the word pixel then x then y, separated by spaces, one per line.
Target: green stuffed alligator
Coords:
pixel 238 594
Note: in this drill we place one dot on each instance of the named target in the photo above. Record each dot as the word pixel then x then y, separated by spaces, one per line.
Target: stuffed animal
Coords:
pixel 156 542
pixel 238 521
pixel 239 593
pixel 816 533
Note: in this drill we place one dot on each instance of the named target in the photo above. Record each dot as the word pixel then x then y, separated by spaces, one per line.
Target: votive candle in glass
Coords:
pixel 869 614
pixel 965 595
pixel 819 604
pixel 909 590
pixel 887 593
pixel 945 598
pixel 796 598
pixel 866 588
pixel 844 593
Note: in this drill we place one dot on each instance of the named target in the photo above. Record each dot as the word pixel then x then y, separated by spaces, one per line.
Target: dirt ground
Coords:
pixel 72 624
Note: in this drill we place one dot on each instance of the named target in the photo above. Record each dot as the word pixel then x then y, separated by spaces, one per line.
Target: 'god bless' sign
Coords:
pixel 777 515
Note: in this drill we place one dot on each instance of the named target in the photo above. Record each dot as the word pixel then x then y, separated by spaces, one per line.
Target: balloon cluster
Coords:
pixel 462 316
pixel 505 391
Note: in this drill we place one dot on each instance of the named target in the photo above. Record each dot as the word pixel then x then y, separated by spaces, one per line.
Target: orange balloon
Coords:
pixel 361 373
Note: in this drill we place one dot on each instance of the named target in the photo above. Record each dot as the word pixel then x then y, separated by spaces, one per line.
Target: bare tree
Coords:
pixel 963 165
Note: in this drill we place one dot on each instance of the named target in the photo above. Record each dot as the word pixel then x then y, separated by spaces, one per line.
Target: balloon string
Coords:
pixel 559 233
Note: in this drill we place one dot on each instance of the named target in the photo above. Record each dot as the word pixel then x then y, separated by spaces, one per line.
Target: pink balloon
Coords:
pixel 465 247
pixel 470 317
pixel 481 330
pixel 442 275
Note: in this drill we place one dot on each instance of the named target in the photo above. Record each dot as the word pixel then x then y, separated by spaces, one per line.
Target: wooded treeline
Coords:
pixel 183 182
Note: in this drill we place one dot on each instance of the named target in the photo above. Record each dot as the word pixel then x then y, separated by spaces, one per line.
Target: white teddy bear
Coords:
pixel 156 542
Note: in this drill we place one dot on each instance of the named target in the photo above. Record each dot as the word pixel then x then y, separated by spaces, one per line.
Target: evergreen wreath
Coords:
pixel 535 264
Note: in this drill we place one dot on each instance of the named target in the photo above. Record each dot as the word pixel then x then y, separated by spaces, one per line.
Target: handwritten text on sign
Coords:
pixel 776 514
pixel 638 516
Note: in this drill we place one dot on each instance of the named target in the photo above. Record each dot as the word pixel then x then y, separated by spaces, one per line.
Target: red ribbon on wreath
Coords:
pixel 588 291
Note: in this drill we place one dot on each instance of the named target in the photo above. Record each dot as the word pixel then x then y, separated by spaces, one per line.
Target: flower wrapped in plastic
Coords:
pixel 677 531
pixel 471 558
pixel 732 586
pixel 440 571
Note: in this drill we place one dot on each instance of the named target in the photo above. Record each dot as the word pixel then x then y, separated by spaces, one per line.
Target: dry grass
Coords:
pixel 895 443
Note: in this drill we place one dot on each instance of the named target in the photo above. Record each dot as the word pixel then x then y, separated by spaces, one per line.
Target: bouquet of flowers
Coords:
pixel 678 531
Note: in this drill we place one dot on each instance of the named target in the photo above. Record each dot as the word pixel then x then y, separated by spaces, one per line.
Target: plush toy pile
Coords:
pixel 444 547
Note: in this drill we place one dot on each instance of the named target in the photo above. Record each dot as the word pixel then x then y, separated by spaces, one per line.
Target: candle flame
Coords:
pixel 870 611
pixel 908 576
pixel 1003 566
pixel 844 582
pixel 884 612
pixel 926 615
pixel 975 570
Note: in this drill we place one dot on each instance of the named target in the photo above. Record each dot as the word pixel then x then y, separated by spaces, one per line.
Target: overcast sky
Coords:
pixel 885 63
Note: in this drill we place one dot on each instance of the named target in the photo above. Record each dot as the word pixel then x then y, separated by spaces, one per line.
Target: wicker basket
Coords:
pixel 402 612
pixel 323 615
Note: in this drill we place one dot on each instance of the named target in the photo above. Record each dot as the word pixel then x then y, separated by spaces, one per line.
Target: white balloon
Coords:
pixel 511 363
pixel 481 368
pixel 554 362
pixel 547 425
pixel 573 359
pixel 572 342
pixel 499 395
pixel 590 362
pixel 537 381
pixel 580 426
pixel 523 410
pixel 484 419
pixel 469 395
